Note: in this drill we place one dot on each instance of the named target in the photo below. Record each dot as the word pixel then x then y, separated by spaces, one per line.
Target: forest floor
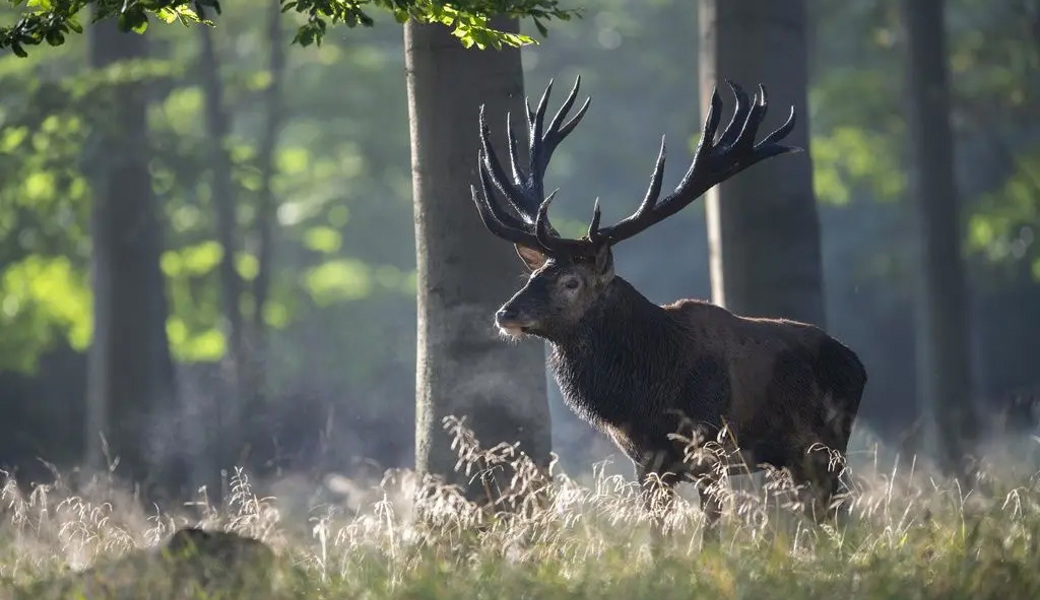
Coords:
pixel 908 534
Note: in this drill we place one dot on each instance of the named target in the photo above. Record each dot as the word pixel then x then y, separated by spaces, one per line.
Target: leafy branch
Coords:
pixel 51 21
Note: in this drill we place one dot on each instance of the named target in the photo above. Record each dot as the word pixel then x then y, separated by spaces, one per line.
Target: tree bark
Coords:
pixel 266 213
pixel 464 272
pixel 229 406
pixel 763 228
pixel 130 372
pixel 942 338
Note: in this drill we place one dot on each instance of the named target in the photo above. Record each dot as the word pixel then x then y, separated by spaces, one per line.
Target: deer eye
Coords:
pixel 571 283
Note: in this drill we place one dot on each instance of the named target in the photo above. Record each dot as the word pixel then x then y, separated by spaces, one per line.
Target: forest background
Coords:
pixel 334 187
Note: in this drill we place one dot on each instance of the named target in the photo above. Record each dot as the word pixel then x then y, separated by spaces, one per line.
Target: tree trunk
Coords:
pixel 943 353
pixel 130 373
pixel 266 213
pixel 226 435
pixel 764 233
pixel 464 272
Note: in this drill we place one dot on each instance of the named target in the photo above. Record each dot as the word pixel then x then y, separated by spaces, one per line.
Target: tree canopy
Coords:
pixel 52 20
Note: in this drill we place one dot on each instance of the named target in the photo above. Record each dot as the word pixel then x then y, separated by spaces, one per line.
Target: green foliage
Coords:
pixel 44 208
pixel 859 130
pixel 848 157
pixel 339 280
pixel 468 19
pixel 52 20
pixel 195 302
pixel 41 299
pixel 1004 223
pixel 994 60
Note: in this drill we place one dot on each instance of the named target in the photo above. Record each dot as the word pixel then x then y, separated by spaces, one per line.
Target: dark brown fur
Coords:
pixel 639 372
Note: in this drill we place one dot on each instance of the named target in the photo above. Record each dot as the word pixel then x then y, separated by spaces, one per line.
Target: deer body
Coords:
pixel 638 372
pixel 784 391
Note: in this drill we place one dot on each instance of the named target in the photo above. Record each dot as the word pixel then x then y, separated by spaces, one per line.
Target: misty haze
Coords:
pixel 258 332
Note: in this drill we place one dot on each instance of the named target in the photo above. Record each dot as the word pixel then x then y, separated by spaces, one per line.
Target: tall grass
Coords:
pixel 908 534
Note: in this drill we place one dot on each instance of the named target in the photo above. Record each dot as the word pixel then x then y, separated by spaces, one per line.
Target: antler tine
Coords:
pixel 570 125
pixel 708 132
pixel 593 233
pixel 524 204
pixel 543 140
pixel 497 221
pixel 759 105
pixel 514 152
pixel 541 224
pixel 711 124
pixel 536 125
pixel 645 215
pixel 652 193
pixel 568 102
pixel 554 125
pixel 524 190
pixel 528 207
pixel 741 113
pixel 780 133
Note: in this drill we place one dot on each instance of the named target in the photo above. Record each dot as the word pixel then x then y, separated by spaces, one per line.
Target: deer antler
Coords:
pixel 714 162
pixel 524 191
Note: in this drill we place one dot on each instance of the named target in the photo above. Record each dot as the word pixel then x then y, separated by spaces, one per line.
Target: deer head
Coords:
pixel 568 276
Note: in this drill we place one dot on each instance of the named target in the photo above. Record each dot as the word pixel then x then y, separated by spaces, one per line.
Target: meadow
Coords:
pixel 908 534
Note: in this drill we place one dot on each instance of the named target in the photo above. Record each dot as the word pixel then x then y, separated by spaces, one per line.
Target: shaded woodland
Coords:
pixel 238 213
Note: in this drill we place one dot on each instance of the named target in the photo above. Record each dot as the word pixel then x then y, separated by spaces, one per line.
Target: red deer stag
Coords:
pixel 639 371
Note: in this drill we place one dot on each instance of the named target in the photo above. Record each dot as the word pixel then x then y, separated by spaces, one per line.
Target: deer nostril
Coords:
pixel 505 314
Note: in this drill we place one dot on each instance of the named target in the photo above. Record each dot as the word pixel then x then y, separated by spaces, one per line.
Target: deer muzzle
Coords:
pixel 513 322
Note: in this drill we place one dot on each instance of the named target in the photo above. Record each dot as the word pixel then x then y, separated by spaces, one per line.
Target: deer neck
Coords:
pixel 610 363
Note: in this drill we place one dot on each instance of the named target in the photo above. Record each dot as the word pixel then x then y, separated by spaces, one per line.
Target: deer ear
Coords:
pixel 604 262
pixel 534 259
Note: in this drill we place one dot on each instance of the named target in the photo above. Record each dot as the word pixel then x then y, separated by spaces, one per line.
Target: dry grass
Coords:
pixel 908 535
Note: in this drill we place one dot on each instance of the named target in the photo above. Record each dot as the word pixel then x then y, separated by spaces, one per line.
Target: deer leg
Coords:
pixel 711 506
pixel 822 481
pixel 658 493
pixel 657 486
pixel 705 469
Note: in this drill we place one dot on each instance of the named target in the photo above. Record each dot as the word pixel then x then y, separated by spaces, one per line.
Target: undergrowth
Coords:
pixel 906 533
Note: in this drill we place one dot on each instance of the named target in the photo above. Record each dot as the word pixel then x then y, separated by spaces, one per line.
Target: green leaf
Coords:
pixel 168 15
